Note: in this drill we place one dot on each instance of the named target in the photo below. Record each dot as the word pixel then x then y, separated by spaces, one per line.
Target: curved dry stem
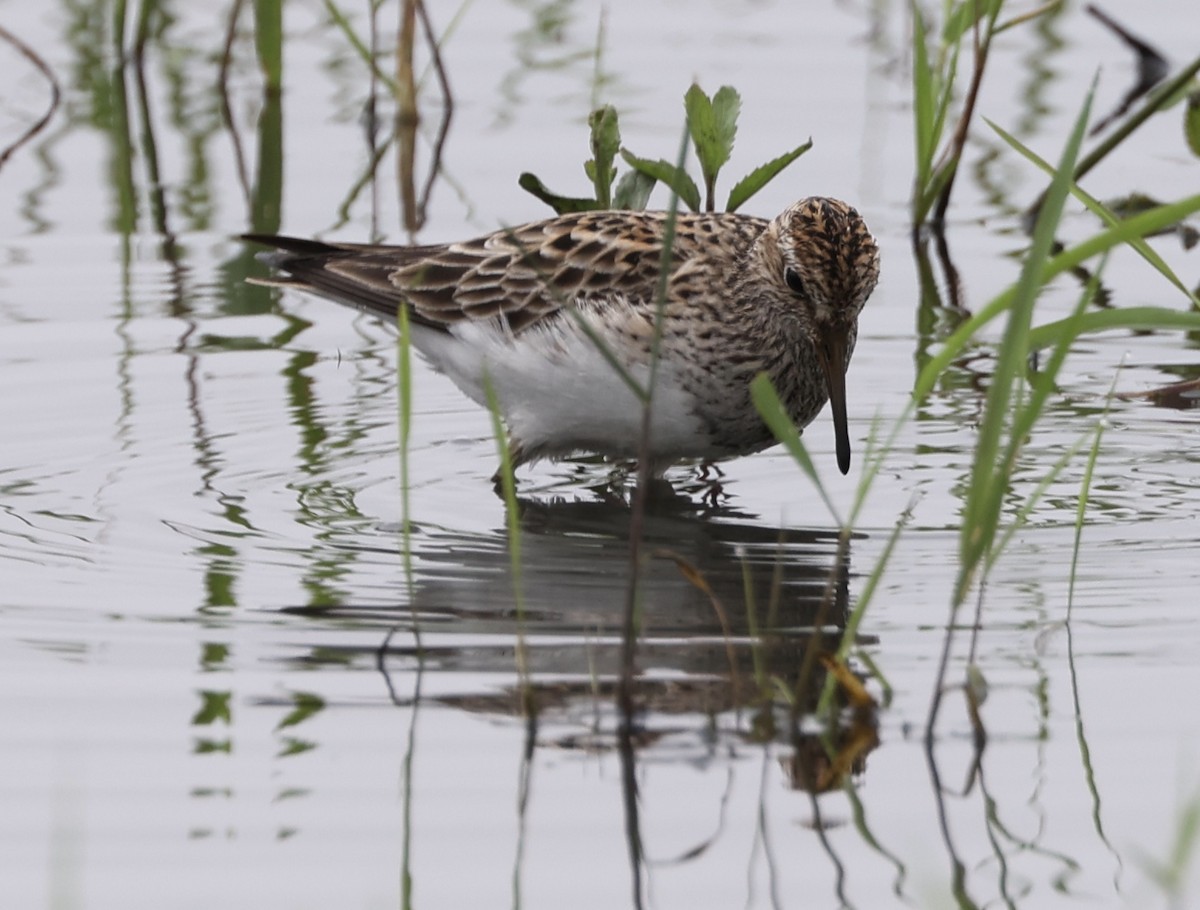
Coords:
pixel 55 93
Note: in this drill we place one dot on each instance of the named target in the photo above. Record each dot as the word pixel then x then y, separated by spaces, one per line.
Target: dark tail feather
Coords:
pixel 284 248
pixel 305 264
pixel 290 244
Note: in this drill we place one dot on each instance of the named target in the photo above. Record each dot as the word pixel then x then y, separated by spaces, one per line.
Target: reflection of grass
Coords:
pixel 1008 415
pixel 404 371
pixel 507 486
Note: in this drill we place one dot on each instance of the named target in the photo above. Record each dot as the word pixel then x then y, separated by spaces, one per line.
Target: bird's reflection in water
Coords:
pixel 728 609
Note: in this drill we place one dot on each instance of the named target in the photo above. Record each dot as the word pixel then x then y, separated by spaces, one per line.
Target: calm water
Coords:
pixel 200 507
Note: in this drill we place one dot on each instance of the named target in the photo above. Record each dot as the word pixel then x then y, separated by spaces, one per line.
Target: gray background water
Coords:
pixel 200 506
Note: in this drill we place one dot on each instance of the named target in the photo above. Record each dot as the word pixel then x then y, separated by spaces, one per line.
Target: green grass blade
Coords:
pixel 1191 122
pixel 872 583
pixel 1085 487
pixel 268 41
pixel 775 416
pixel 1101 211
pixel 404 372
pixel 508 487
pixel 1155 101
pixel 1148 222
pixel 923 101
pixel 990 473
pixel 360 46
pixel 761 176
pixel 965 16
pixel 1047 477
pixel 1043 383
pixel 1134 318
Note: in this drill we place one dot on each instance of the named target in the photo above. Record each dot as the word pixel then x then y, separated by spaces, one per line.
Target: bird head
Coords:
pixel 825 264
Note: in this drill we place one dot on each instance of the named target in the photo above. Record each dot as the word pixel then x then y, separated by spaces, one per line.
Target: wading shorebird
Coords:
pixel 540 311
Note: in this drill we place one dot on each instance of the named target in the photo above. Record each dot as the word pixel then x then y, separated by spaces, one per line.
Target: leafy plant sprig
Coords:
pixel 712 127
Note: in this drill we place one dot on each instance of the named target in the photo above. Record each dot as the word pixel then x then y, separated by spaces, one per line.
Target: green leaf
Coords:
pixel 306 705
pixel 933 95
pixel 726 106
pixel 605 141
pixel 1191 122
pixel 965 16
pixel 633 190
pixel 676 178
pixel 923 100
pixel 761 176
pixel 562 205
pixel 214 708
pixel 712 124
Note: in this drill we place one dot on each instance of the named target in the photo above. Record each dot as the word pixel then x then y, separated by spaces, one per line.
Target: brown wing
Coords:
pixel 519 274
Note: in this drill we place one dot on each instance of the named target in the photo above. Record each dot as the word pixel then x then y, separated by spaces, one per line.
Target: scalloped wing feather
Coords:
pixel 519 275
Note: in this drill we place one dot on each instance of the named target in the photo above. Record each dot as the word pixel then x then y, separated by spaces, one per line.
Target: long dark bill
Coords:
pixel 832 353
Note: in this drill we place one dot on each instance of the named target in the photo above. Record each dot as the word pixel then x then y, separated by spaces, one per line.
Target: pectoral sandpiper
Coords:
pixel 530 308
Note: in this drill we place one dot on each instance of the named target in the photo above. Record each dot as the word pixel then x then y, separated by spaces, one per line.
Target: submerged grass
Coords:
pixel 1085 487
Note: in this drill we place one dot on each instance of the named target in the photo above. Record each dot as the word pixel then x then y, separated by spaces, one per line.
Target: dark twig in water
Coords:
pixel 958 143
pixel 408 116
pixel 1155 101
pixel 958 869
pixel 435 56
pixel 953 281
pixel 1152 67
pixel 629 798
pixel 55 93
pixel 239 155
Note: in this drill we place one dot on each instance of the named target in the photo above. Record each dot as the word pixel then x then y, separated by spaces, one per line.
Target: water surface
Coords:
pixel 220 684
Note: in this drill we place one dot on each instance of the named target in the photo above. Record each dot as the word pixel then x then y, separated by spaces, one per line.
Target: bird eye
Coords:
pixel 792 277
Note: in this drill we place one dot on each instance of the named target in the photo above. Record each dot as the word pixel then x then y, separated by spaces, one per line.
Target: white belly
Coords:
pixel 559 394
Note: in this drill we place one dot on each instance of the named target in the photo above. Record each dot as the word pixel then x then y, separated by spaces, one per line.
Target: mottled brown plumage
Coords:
pixel 525 305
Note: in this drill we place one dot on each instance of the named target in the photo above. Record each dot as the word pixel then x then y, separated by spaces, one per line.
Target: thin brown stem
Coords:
pixel 407 115
pixel 962 129
pixel 435 55
pixel 239 155
pixel 55 93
